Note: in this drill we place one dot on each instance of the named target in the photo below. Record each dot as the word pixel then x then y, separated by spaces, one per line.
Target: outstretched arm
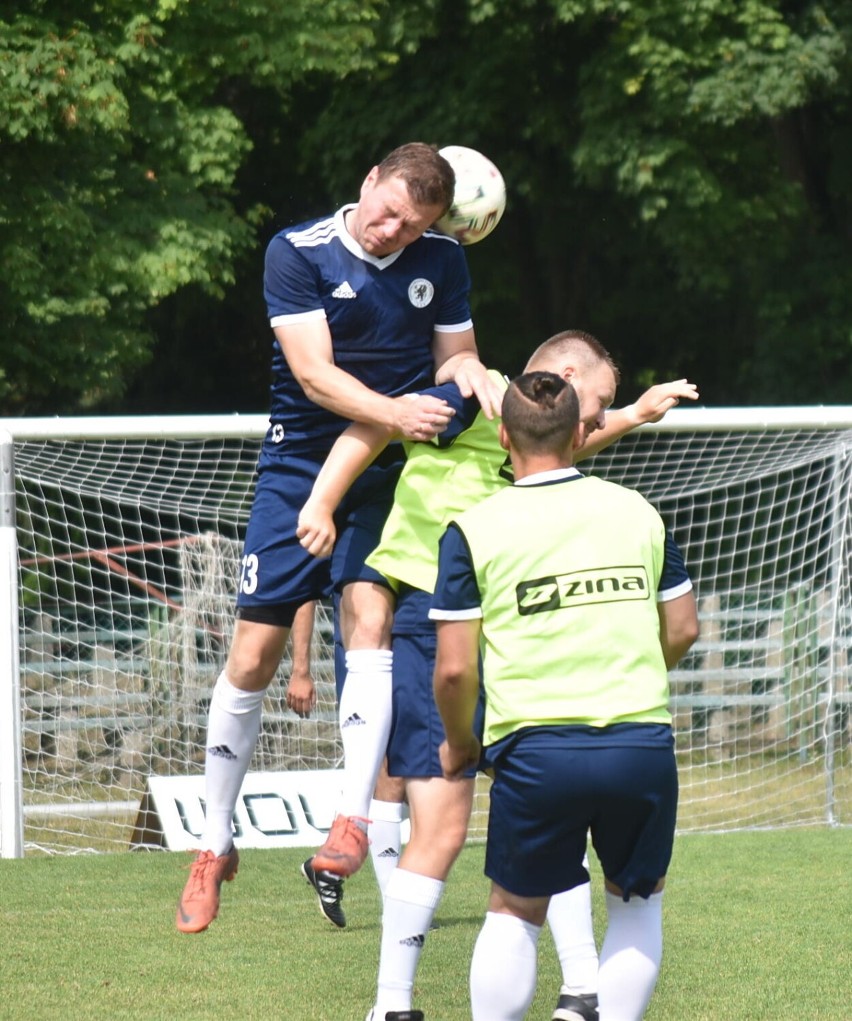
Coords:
pixel 651 406
pixel 353 451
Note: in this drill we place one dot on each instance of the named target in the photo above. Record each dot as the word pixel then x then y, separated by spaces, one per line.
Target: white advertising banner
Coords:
pixel 287 809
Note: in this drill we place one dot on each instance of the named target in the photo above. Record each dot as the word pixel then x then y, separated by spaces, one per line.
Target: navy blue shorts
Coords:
pixel 416 729
pixel 278 575
pixel 553 786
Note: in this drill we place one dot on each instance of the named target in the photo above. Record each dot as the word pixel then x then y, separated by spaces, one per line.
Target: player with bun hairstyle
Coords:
pixel 577 619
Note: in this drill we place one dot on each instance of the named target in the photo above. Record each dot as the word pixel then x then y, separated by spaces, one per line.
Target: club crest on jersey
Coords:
pixel 420 292
pixel 582 588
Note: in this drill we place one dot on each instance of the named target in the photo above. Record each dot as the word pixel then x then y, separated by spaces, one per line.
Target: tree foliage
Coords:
pixel 679 181
pixel 120 157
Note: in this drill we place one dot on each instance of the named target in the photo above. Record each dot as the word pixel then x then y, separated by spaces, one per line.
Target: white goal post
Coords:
pixel 120 540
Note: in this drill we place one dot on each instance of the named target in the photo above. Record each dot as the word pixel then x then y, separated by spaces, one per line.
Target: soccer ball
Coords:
pixel 479 198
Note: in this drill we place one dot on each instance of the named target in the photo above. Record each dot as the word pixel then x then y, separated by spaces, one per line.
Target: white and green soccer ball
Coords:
pixel 479 199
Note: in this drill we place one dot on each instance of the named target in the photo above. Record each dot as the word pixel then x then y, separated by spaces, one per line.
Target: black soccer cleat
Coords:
pixel 576 1008
pixel 329 891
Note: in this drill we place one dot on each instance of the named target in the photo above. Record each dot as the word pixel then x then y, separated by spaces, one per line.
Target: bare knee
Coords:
pixel 433 855
pixel 443 837
pixel 530 909
pixel 452 839
pixel 366 615
pixel 255 655
pixel 440 812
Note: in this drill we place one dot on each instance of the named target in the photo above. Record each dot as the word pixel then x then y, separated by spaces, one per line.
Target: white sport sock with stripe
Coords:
pixel 385 832
pixel 410 904
pixel 232 729
pixel 365 720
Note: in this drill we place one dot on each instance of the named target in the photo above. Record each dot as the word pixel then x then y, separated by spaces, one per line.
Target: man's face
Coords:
pixel 595 391
pixel 595 388
pixel 385 218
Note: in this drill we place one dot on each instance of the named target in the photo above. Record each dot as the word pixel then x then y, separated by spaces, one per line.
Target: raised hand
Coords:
pixel 652 405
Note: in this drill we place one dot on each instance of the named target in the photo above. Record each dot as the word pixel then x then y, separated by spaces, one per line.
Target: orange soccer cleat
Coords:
pixel 199 903
pixel 345 848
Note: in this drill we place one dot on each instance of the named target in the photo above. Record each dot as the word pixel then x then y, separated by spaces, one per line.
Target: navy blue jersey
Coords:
pixel 382 314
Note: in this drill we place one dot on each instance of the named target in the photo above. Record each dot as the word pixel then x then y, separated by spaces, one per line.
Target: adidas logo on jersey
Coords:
pixel 389 852
pixel 354 721
pixel 343 290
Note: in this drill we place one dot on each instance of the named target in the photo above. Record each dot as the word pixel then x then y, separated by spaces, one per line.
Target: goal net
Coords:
pixel 129 536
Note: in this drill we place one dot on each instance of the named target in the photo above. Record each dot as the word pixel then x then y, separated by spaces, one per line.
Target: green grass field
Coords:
pixel 758 926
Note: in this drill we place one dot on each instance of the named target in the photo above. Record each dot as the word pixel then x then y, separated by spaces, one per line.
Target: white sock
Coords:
pixel 385 838
pixel 365 719
pixel 232 729
pixel 503 969
pixel 630 956
pixel 570 919
pixel 410 904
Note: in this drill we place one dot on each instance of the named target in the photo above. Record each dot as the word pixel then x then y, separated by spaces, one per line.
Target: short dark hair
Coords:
pixel 430 179
pixel 587 349
pixel 540 412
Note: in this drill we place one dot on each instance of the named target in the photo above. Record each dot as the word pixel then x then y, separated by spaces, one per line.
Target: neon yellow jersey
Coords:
pixel 568 574
pixel 437 484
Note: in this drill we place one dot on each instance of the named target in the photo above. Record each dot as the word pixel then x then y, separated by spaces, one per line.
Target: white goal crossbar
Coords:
pixel 119 550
